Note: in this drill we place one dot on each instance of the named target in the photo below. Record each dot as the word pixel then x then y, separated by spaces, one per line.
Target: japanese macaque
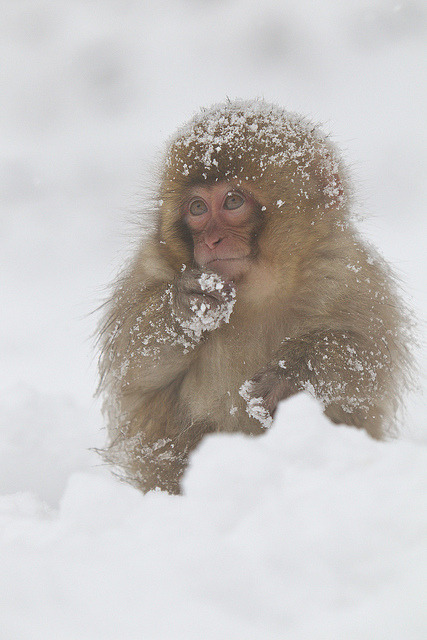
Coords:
pixel 252 286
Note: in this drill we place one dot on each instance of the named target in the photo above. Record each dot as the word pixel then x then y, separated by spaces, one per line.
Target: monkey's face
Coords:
pixel 222 220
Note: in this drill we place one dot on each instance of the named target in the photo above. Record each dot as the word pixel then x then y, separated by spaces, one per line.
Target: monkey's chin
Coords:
pixel 229 268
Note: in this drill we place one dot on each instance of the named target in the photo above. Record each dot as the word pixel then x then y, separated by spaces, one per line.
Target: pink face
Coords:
pixel 221 218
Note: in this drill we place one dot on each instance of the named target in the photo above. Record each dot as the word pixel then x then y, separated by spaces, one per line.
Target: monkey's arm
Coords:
pixel 150 336
pixel 151 333
pixel 343 370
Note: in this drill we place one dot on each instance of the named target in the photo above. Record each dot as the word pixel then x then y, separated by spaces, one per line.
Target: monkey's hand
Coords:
pixel 202 301
pixel 266 389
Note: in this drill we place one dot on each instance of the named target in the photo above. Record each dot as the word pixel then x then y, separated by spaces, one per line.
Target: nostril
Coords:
pixel 212 242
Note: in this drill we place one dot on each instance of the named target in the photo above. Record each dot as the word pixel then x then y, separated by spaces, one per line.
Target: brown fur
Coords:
pixel 317 311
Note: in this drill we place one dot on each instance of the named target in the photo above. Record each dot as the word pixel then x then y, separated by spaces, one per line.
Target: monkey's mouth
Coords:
pixel 228 267
pixel 233 259
pixel 223 264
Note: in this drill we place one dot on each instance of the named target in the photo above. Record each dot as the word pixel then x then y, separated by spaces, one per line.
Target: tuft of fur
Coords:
pixel 319 311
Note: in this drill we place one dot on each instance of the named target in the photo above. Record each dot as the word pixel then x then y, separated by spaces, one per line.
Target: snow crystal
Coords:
pixel 254 406
pixel 209 316
pixel 354 268
pixel 211 282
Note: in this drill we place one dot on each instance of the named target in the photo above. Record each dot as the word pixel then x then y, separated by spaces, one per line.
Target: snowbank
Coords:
pixel 43 439
pixel 311 531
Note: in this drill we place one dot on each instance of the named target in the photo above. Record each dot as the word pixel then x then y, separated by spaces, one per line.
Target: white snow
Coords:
pixel 309 531
pixel 254 406
pixel 209 316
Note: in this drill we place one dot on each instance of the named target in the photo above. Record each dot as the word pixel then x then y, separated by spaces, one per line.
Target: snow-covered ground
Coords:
pixel 310 531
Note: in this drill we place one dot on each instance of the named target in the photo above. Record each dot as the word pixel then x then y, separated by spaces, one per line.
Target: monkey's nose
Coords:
pixel 212 240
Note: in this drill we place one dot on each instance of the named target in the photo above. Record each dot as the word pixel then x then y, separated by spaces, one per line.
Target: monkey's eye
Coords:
pixel 233 201
pixel 197 207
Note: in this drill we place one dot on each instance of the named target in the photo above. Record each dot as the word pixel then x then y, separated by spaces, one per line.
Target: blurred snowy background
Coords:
pixel 312 532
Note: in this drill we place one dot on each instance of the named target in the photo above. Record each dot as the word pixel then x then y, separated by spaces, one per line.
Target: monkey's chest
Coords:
pixel 228 358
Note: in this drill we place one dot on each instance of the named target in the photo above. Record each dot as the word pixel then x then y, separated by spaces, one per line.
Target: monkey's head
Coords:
pixel 242 181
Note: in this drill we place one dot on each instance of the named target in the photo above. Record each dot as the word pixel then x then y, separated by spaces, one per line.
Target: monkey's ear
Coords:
pixel 333 189
pixel 330 179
